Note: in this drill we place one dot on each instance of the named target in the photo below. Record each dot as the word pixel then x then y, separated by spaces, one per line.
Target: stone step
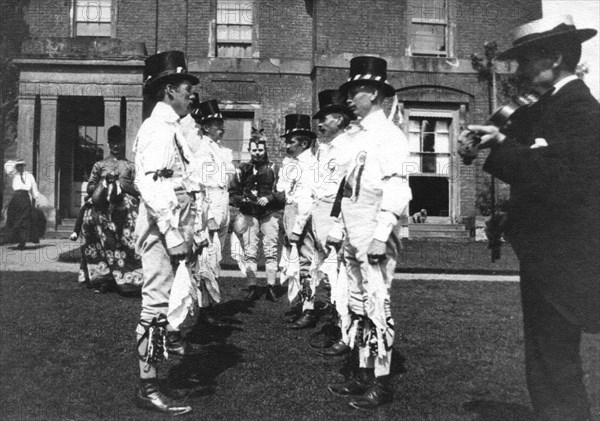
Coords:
pixel 436 227
pixel 439 234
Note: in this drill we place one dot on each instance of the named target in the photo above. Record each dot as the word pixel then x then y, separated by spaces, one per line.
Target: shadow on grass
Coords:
pixel 495 411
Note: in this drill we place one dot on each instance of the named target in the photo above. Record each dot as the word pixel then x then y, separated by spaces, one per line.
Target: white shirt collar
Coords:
pixel 373 119
pixel 558 85
pixel 165 112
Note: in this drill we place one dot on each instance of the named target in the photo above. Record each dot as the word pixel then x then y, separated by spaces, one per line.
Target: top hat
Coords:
pixel 333 101
pixel 368 70
pixel 298 124
pixel 168 66
pixel 209 110
pixel 545 31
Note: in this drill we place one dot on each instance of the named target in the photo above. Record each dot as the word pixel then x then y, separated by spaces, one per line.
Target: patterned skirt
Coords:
pixel 108 256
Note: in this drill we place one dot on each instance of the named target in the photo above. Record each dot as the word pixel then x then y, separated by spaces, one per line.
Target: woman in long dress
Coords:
pixel 21 221
pixel 108 256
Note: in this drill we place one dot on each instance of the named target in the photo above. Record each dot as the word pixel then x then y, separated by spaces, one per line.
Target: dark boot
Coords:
pixel 149 396
pixel 380 393
pixel 177 345
pixel 307 320
pixel 253 293
pixel 356 386
pixel 206 317
pixel 270 295
pixel 337 349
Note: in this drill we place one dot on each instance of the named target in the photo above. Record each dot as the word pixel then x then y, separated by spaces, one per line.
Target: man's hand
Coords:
pixel 376 252
pixel 263 201
pixel 334 243
pixel 294 238
pixel 490 135
pixel 178 253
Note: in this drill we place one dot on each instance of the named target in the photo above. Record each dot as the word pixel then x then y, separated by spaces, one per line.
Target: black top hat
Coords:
pixel 209 110
pixel 368 70
pixel 298 124
pixel 168 66
pixel 333 101
pixel 544 32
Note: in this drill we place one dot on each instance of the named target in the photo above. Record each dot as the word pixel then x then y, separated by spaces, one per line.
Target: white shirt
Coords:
pixel 384 148
pixel 26 182
pixel 334 159
pixel 297 180
pixel 156 148
pixel 558 85
pixel 218 168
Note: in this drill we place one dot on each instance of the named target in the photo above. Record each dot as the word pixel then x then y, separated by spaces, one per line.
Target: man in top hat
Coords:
pixel 296 182
pixel 334 154
pixel 253 192
pixel 375 195
pixel 551 162
pixel 164 228
pixel 218 171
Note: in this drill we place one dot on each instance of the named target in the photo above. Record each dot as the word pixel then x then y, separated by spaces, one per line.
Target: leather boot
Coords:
pixel 380 393
pixel 177 345
pixel 253 293
pixel 337 349
pixel 149 396
pixel 358 384
pixel 270 294
pixel 307 320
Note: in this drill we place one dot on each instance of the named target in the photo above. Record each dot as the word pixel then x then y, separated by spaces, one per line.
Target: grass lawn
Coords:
pixel 68 354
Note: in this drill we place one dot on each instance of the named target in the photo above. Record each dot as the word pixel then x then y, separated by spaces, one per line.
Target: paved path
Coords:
pixel 45 257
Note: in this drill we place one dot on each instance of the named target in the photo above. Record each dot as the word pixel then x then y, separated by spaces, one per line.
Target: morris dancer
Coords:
pixel 375 195
pixel 164 228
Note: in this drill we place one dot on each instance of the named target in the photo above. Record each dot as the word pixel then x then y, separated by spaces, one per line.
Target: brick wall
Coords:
pixel 49 18
pixel 285 28
pixel 137 22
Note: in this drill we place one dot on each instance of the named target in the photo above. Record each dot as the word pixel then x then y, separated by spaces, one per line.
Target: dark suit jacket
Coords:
pixel 554 208
pixel 261 178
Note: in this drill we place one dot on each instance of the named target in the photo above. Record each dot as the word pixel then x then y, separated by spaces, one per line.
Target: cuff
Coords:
pixel 385 223
pixel 173 238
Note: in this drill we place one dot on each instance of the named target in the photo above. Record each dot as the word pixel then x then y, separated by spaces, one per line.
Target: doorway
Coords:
pixel 80 143
pixel 430 193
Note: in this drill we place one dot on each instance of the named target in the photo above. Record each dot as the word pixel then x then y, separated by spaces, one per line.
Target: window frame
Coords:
pixel 75 22
pixel 251 43
pixel 421 18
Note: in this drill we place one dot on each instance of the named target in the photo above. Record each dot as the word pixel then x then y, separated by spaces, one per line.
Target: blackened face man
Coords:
pixel 258 151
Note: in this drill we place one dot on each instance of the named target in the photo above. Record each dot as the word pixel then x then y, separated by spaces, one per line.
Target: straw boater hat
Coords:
pixel 366 70
pixel 10 167
pixel 544 32
pixel 333 101
pixel 209 110
pixel 298 124
pixel 168 66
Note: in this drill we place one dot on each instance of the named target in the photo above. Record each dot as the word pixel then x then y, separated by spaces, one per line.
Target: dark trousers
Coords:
pixel 552 359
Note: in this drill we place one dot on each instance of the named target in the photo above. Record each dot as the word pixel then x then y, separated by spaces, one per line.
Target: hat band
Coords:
pixel 366 76
pixel 216 115
pixel 562 28
pixel 296 129
pixel 178 71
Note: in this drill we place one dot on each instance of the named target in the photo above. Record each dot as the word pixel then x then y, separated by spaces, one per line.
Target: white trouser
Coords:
pixel 247 228
pixel 369 284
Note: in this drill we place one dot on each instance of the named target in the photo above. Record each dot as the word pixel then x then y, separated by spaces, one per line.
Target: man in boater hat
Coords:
pixel 375 196
pixel 296 182
pixel 164 227
pixel 551 160
pixel 334 154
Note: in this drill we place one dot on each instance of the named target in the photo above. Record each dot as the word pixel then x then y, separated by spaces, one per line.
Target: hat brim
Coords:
pixel 578 35
pixel 209 119
pixel 172 78
pixel 388 90
pixel 308 133
pixel 342 109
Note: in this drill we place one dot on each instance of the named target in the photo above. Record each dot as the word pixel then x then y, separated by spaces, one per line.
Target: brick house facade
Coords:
pixel 261 59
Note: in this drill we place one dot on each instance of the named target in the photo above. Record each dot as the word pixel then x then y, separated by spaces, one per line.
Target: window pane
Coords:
pixel 93 30
pixel 93 11
pixel 442 143
pixel 234 12
pixel 414 142
pixel 428 163
pixel 428 38
pixel 237 133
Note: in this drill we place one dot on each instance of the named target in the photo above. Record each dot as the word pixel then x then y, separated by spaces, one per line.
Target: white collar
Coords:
pixel 373 119
pixel 558 85
pixel 166 112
